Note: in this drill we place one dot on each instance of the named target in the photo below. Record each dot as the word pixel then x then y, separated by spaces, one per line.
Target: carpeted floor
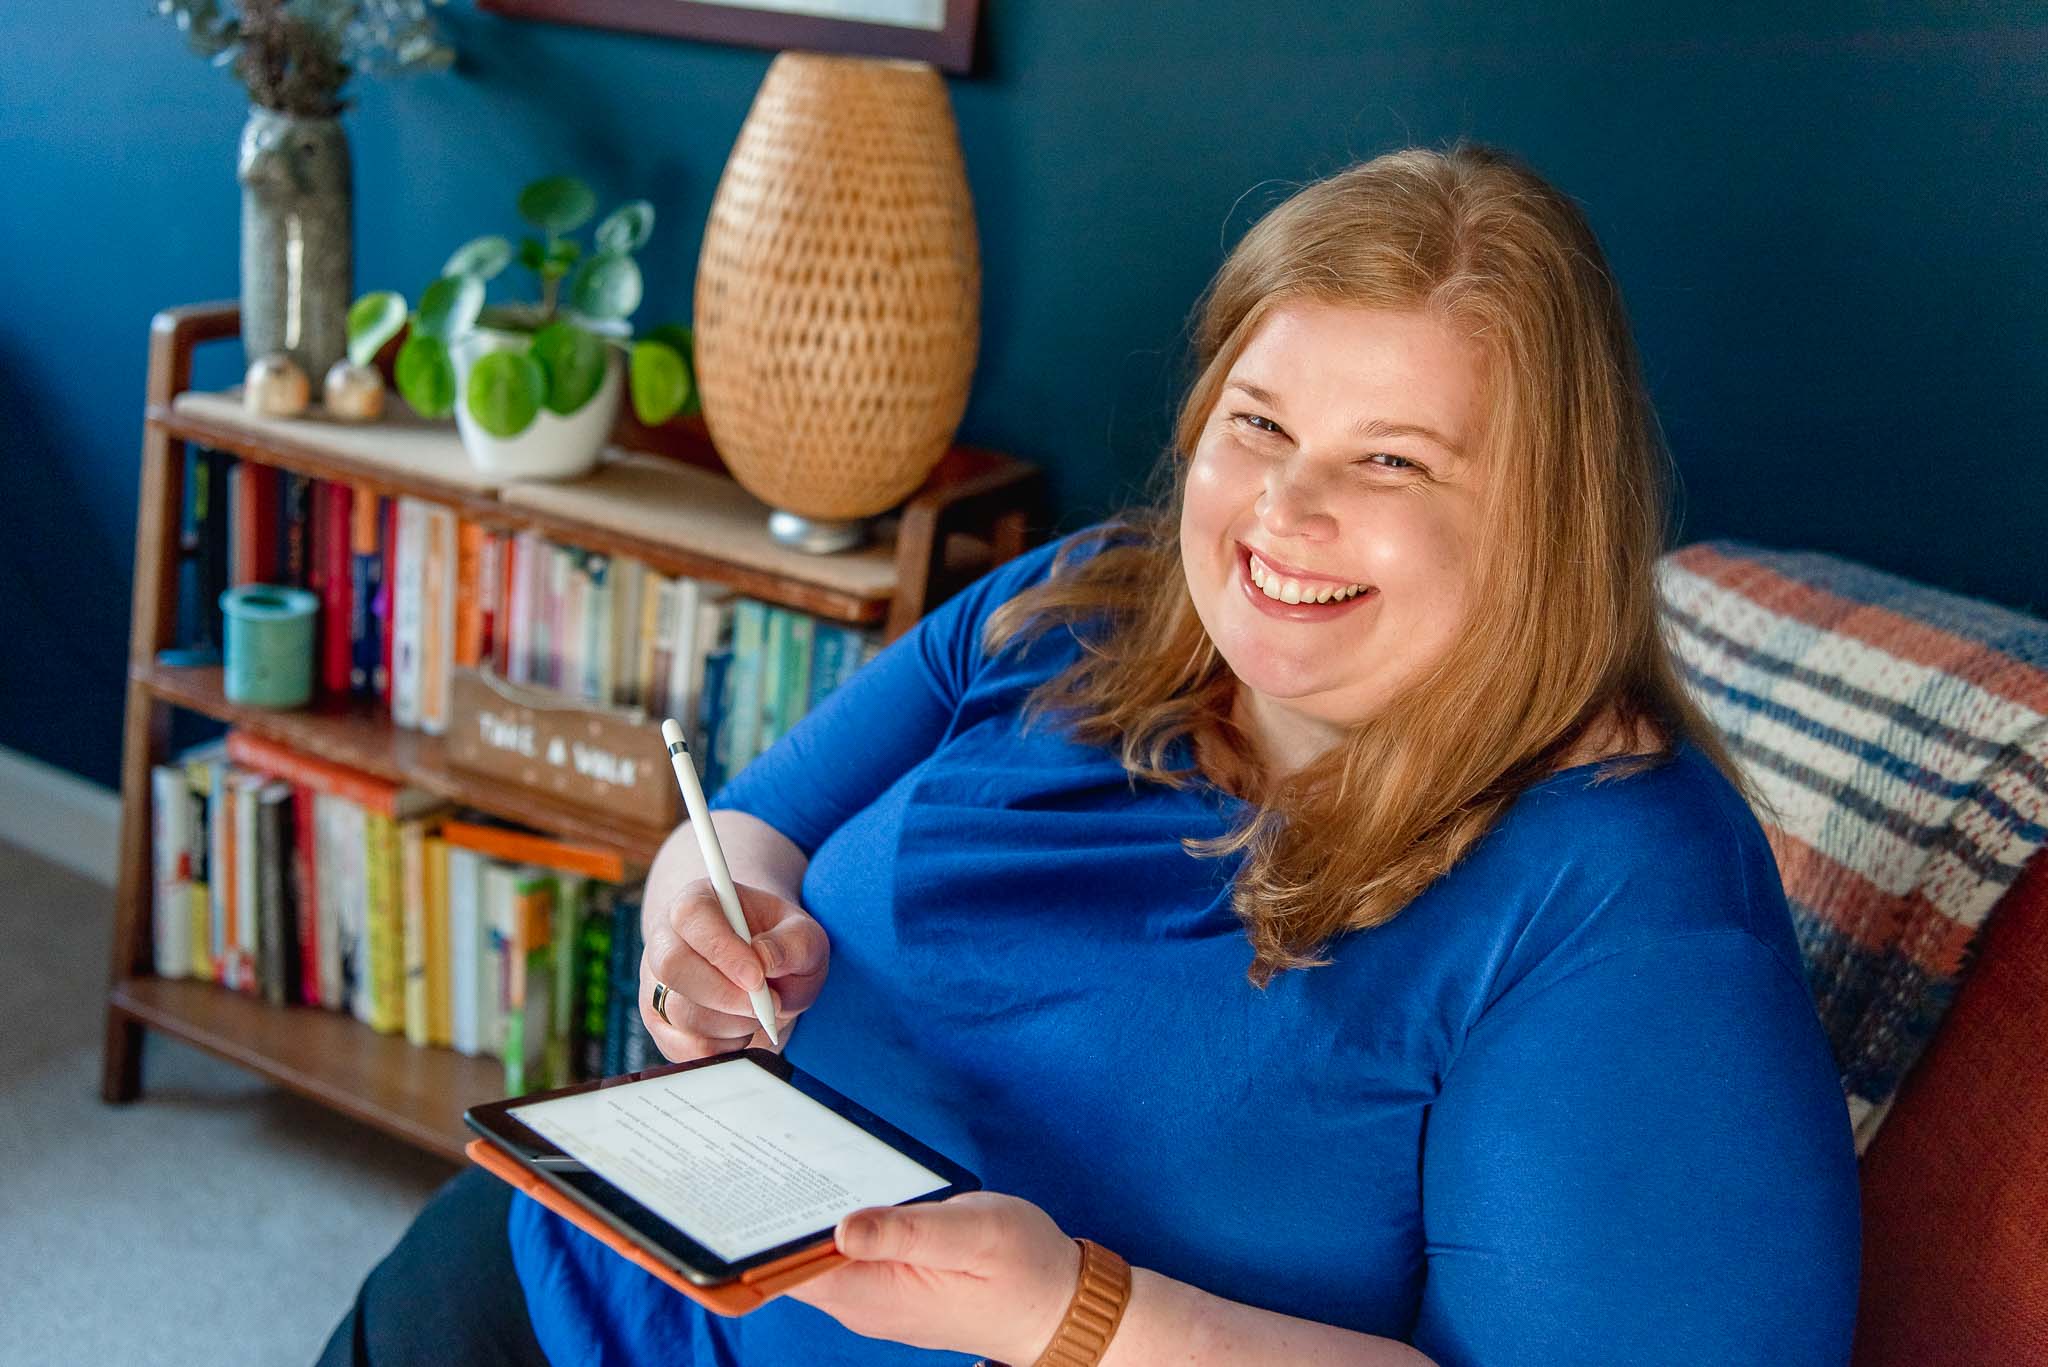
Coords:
pixel 217 1221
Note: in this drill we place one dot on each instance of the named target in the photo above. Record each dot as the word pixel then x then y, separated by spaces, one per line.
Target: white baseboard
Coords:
pixel 61 817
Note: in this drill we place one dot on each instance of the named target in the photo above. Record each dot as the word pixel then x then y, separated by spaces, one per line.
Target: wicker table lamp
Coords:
pixel 838 304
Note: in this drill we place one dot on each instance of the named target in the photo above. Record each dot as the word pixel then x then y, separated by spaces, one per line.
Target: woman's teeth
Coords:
pixel 1286 590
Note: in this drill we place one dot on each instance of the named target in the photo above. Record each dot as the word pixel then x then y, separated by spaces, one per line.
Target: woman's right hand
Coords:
pixel 709 970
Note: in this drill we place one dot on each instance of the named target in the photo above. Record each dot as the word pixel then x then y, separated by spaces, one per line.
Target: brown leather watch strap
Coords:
pixel 1092 1315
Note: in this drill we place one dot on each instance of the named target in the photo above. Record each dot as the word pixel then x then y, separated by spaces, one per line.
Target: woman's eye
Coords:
pixel 1394 462
pixel 1257 422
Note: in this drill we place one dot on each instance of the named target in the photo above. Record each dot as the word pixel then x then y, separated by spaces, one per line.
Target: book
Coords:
pixel 437 618
pixel 741 725
pixel 828 650
pixel 245 906
pixel 629 579
pixel 252 751
pixel 797 660
pixel 768 696
pixel 412 883
pixel 657 593
pixel 622 970
pixel 220 867
pixel 332 506
pixel 557 645
pixel 294 525
pixel 707 742
pixel 366 586
pixel 171 861
pixel 499 892
pixel 383 930
pixel 305 886
pixel 525 639
pixel 572 894
pixel 466 945
pixel 471 575
pixel 276 923
pixel 387 541
pixel 200 764
pixel 594 655
pixel 440 1028
pixel 330 880
pixel 528 980
pixel 252 494
pixel 352 903
pixel 518 846
pixel 407 604
pixel 593 981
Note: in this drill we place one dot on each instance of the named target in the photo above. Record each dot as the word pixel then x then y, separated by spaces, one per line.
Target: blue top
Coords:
pixel 1571 1105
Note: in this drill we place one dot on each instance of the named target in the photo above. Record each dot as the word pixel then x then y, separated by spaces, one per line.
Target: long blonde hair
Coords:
pixel 1564 623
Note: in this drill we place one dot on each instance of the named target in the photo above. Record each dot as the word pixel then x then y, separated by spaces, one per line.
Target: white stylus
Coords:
pixel 714 861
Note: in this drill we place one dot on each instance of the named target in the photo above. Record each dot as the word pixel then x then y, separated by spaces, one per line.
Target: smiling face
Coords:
pixel 1310 481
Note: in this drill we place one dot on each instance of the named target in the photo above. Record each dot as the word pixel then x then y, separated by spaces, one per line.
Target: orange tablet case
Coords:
pixel 753 1289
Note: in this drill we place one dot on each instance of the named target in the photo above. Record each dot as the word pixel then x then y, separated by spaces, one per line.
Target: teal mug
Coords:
pixel 269 656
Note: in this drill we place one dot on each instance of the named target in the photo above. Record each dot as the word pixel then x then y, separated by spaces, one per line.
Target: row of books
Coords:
pixel 409 591
pixel 284 876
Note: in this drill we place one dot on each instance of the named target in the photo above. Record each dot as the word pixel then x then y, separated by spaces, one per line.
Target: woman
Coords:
pixel 1316 889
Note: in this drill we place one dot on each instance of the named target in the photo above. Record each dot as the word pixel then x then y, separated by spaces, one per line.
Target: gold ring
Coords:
pixel 661 1000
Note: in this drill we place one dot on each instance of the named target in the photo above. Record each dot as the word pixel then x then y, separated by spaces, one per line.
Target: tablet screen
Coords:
pixel 732 1155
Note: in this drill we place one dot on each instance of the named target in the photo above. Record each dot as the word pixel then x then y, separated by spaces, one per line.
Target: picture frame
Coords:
pixel 853 27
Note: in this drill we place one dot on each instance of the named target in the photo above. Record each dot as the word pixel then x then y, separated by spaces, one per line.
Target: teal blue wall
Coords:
pixel 1830 230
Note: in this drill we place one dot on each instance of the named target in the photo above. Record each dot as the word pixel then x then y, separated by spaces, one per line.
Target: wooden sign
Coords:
pixel 596 756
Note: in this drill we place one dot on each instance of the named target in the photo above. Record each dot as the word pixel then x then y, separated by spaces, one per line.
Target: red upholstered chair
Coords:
pixel 1955 1185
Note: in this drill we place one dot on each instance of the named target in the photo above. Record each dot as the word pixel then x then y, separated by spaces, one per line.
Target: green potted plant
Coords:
pixel 535 385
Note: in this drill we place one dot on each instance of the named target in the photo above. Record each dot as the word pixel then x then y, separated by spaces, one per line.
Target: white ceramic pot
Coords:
pixel 552 446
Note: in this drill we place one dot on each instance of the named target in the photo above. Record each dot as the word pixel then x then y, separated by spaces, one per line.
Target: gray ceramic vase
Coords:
pixel 297 267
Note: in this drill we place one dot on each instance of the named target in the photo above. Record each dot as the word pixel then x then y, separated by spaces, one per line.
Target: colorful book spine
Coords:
pixel 276 932
pixel 412 920
pixel 528 982
pixel 294 524
pixel 495 910
pixel 387 539
pixel 594 675
pixel 200 765
pixel 280 761
pixel 337 588
pixel 828 648
pixel 440 1013
pixel 245 943
pixel 352 906
pixel 470 577
pixel 629 580
pixel 524 847
pixel 330 876
pixel 623 971
pixel 437 618
pixel 572 894
pixel 366 586
pixel 742 723
pixel 466 944
pixel 708 742
pixel 171 859
pixel 407 598
pixel 306 851
pixel 384 930
pixel 220 799
pixel 594 977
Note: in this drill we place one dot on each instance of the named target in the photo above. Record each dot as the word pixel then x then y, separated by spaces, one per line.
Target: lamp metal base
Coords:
pixel 814 535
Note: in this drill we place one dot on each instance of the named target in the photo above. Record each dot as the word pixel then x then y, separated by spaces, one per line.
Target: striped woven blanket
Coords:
pixel 1899 738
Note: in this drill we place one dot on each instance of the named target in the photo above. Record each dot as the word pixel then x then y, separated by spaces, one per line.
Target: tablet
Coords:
pixel 724 1175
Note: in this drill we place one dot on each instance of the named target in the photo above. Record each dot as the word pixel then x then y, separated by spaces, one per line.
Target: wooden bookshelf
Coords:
pixel 659 496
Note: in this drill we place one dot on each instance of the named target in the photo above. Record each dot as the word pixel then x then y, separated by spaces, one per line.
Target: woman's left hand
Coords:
pixel 977 1273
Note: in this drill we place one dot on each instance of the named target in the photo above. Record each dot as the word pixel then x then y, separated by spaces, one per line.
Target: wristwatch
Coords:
pixel 1092 1315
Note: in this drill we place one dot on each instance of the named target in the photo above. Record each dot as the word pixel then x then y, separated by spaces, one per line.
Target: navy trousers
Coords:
pixel 446 1294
